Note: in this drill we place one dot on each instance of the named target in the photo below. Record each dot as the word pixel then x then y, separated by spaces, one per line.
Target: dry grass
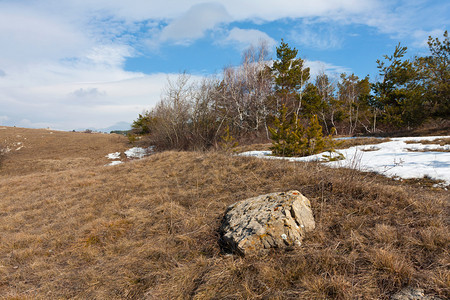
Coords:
pixel 148 228
pixel 344 144
pixel 42 150
pixel 341 144
pixel 438 141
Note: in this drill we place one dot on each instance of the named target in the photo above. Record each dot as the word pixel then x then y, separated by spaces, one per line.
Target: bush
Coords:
pixel 185 118
pixel 290 138
pixel 287 136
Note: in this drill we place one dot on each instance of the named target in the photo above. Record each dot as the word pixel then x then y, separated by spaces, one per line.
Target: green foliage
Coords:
pixel 289 75
pixel 412 91
pixel 287 136
pixel 314 136
pixel 290 138
pixel 312 101
pixel 143 123
pixel 227 141
pixel 434 74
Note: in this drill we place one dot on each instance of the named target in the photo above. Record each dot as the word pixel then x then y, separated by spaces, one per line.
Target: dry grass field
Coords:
pixel 72 227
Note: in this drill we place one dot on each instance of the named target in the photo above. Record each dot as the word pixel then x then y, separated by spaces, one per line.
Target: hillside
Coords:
pixel 148 229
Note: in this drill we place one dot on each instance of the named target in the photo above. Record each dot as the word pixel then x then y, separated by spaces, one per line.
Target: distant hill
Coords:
pixel 120 126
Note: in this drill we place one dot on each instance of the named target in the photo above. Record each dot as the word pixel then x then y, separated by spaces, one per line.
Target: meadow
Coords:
pixel 72 227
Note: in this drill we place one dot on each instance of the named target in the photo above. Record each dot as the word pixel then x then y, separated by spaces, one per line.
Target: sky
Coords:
pixel 78 64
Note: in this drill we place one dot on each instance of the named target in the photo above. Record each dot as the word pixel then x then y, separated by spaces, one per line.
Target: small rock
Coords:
pixel 277 220
pixel 410 293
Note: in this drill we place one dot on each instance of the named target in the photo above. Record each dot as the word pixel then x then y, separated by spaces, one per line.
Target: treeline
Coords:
pixel 247 101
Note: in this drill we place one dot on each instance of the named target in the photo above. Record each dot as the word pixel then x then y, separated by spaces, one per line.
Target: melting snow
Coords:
pixel 393 158
pixel 135 152
pixel 115 155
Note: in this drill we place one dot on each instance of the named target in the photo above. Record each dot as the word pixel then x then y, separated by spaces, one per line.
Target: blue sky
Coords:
pixel 76 64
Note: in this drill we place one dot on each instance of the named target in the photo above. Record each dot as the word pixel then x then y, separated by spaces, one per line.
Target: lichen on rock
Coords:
pixel 276 220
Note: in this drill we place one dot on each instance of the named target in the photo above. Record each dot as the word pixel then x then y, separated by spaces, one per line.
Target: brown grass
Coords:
pixel 438 141
pixel 344 144
pixel 42 150
pixel 148 228
pixel 341 144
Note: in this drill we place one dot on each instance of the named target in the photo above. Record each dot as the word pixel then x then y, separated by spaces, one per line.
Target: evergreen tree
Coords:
pixel 287 136
pixel 290 76
pixel 143 124
pixel 315 142
pixel 399 94
pixel 312 101
pixel 292 139
pixel 434 74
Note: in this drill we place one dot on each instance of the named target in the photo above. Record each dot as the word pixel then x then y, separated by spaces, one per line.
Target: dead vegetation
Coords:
pixel 340 144
pixel 438 141
pixel 148 228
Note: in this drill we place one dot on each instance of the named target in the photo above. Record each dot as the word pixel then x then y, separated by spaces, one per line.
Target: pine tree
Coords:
pixel 434 74
pixel 292 139
pixel 399 94
pixel 290 76
pixel 314 136
pixel 287 136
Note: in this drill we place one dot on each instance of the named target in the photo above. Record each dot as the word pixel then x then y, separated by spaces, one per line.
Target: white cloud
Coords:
pixel 111 55
pixel 319 36
pixel 87 92
pixel 243 38
pixel 317 67
pixel 195 22
pixel 270 10
pixel 27 36
pixel 421 36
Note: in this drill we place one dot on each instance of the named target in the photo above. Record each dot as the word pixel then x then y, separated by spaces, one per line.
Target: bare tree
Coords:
pixel 243 94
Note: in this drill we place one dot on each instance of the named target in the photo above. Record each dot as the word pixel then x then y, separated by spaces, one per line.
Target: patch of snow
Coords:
pixel 370 148
pixel 392 159
pixel 137 152
pixel 115 155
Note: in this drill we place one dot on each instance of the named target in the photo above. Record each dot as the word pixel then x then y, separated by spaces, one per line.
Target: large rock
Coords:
pixel 277 220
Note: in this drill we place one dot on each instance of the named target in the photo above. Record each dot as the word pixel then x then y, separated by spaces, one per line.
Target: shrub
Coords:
pixel 287 135
pixel 290 138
